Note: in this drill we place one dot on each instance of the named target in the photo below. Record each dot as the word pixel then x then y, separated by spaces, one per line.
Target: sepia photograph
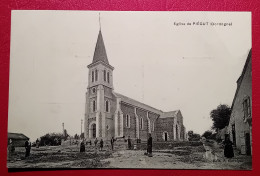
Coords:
pixel 135 90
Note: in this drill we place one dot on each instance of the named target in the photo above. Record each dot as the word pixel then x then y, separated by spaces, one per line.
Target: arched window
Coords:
pixel 93 106
pixel 105 74
pixel 152 125
pixel 107 106
pixel 108 80
pixel 246 107
pixel 92 75
pixel 127 121
pixel 96 75
pixel 141 123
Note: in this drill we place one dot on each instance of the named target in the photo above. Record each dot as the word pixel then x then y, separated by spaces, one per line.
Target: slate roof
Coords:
pixel 138 104
pixel 249 58
pixel 169 114
pixel 17 136
pixel 100 51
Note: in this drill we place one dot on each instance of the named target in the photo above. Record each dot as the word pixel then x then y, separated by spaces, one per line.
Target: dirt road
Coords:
pixel 177 157
pixel 168 160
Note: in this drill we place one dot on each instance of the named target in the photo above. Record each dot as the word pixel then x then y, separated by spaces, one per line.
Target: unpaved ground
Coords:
pixel 165 159
pixel 181 157
pixel 58 157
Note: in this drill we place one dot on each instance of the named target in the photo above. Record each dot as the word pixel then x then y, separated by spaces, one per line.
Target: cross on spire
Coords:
pixel 99 22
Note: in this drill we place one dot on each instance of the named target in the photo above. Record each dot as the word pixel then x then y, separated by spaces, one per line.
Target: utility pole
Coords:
pixel 63 128
pixel 81 127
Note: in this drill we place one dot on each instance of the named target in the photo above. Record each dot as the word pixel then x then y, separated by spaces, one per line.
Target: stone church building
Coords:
pixel 110 114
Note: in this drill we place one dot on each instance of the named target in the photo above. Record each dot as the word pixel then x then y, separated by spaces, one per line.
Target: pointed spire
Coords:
pixel 100 50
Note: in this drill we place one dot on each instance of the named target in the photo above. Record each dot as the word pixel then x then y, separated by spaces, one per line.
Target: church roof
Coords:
pixel 138 104
pixel 169 114
pixel 100 50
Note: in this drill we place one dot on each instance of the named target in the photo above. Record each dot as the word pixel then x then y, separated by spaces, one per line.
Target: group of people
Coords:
pixel 100 144
pixel 83 144
pixel 228 145
pixel 27 145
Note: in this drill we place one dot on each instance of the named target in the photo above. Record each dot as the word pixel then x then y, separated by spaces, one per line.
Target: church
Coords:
pixel 110 114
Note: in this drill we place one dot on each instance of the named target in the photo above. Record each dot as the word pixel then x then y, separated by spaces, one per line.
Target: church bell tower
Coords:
pixel 100 86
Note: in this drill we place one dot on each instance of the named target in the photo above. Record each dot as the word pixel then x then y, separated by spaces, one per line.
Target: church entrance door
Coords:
pixel 165 136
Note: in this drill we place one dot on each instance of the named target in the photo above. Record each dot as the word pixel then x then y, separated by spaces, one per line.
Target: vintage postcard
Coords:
pixel 140 90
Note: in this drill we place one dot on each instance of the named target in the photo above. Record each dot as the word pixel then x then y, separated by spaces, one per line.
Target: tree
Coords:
pixel 190 133
pixel 220 116
pixel 51 139
pixel 76 136
pixel 193 136
pixel 207 134
pixel 82 135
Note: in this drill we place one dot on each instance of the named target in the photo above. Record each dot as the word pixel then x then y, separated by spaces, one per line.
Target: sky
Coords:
pixel 191 68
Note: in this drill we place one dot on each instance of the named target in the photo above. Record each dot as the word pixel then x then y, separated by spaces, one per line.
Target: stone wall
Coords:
pixel 129 131
pixel 143 132
pixel 164 125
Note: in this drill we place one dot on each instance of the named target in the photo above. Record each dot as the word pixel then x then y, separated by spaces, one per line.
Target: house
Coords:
pixel 240 124
pixel 18 139
pixel 110 114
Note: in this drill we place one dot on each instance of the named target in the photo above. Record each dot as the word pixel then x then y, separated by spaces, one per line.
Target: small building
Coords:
pixel 18 139
pixel 169 127
pixel 240 124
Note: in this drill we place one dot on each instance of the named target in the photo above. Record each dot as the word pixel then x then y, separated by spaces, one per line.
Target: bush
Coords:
pixel 213 136
pixel 207 134
pixel 52 139
pixel 194 137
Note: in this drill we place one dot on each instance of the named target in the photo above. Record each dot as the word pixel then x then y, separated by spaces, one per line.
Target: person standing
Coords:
pixel 112 143
pixel 27 148
pixel 149 145
pixel 101 143
pixel 82 146
pixel 228 148
pixel 129 143
pixel 37 143
pixel 95 142
pixel 11 147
